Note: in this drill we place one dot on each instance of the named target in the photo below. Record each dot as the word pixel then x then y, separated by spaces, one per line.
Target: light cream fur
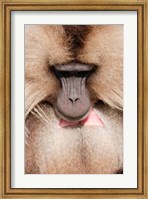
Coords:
pixel 88 149
pixel 49 148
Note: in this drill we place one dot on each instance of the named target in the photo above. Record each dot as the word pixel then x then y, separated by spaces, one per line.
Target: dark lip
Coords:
pixel 70 119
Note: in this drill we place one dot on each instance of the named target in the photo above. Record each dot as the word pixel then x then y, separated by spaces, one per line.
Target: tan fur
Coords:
pixel 44 47
pixel 49 148
pixel 104 47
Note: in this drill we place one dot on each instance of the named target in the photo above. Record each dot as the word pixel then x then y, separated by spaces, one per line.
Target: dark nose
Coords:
pixel 73 99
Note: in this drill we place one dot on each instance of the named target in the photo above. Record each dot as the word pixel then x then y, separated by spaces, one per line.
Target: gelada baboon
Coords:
pixel 73 99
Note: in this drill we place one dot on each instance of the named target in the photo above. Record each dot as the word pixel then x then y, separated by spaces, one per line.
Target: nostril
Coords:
pixel 73 100
pixel 76 99
pixel 70 100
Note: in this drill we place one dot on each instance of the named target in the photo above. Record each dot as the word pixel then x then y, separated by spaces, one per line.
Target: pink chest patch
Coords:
pixel 92 120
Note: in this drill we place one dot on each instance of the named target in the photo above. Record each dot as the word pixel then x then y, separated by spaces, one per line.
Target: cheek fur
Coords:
pixel 104 47
pixel 40 90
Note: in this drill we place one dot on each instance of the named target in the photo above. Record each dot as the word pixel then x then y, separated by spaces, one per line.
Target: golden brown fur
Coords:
pixel 49 148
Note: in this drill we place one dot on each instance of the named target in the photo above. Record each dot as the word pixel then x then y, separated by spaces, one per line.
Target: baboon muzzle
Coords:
pixel 73 100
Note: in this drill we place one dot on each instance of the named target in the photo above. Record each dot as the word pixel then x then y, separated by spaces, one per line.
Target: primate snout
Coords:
pixel 74 99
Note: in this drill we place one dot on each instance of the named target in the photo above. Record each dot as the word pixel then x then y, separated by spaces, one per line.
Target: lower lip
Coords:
pixel 73 119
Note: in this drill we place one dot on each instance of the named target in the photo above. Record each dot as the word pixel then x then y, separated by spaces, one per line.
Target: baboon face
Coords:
pixel 73 67
pixel 73 74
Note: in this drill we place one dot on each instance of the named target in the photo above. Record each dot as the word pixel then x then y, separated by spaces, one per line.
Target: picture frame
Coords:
pixel 7 7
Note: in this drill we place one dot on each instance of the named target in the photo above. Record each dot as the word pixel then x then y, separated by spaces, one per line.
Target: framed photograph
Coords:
pixel 73 99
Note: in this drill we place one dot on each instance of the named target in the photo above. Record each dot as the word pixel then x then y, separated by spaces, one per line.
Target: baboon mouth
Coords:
pixel 70 118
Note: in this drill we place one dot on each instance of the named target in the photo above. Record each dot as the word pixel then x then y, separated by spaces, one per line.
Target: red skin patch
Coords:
pixel 91 120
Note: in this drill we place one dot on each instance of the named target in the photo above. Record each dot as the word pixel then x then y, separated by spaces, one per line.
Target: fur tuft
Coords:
pixel 77 34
